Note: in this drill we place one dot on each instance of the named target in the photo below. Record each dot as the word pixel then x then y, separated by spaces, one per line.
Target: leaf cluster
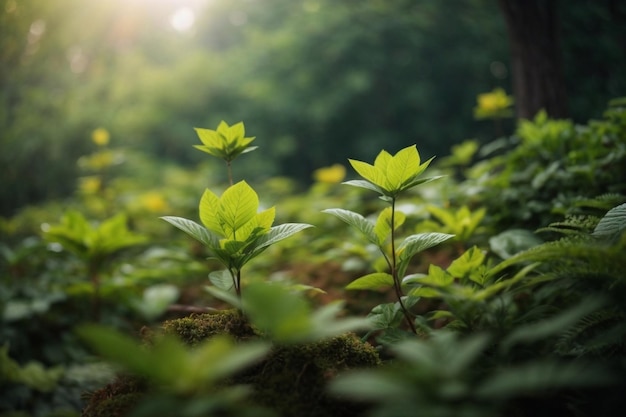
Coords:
pixel 531 179
pixel 226 142
pixel 90 242
pixel 391 174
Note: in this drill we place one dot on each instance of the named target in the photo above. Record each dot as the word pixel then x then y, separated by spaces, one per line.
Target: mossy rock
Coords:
pixel 115 399
pixel 291 380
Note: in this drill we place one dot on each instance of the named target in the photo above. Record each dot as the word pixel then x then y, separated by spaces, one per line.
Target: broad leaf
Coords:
pixel 209 205
pixel 612 225
pixel 466 263
pixel 278 233
pixel 368 172
pixel 222 279
pixel 227 142
pixel 365 184
pixel 417 243
pixel 418 181
pixel 194 230
pixel 357 221
pixel 374 281
pixel 385 316
pixel 493 289
pixel 224 295
pixel 402 167
pixel 238 205
pixel 116 347
pixel 383 226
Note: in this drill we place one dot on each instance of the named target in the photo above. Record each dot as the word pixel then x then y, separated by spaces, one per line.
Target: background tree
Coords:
pixel 558 47
pixel 536 60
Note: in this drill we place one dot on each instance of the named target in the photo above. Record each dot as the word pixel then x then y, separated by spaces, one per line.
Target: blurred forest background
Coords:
pixel 317 80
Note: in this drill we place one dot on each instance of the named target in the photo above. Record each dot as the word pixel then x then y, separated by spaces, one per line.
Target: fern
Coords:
pixel 601 334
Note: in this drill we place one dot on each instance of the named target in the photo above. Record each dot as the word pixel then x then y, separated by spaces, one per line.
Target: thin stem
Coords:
pixel 238 284
pixel 397 286
pixel 230 172
pixel 94 276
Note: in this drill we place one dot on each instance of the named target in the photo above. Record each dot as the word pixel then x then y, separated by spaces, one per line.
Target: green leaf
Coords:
pixel 278 233
pixel 418 181
pixel 209 205
pixel 113 235
pixel 383 226
pixel 168 362
pixel 116 347
pixel 417 243
pixel 552 326
pixel 370 386
pixel 436 277
pixel 511 242
pixel 275 310
pixel 325 323
pixel 224 295
pixel 89 242
pixel 365 184
pixel 194 230
pixel 156 299
pixel 537 377
pixel 222 279
pixel 357 221
pixel 369 172
pixel 227 142
pixel 466 263
pixel 230 357
pixel 374 281
pixel 238 205
pixel 612 225
pixel 444 216
pixel 493 289
pixel 402 167
pixel 385 316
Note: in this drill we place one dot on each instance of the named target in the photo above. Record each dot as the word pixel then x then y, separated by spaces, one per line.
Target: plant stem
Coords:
pixel 238 284
pixel 230 172
pixel 95 282
pixel 397 286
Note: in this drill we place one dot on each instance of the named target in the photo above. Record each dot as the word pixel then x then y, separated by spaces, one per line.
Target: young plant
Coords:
pixel 94 245
pixel 390 176
pixel 461 222
pixel 226 142
pixel 233 231
pixel 232 228
pixel 184 381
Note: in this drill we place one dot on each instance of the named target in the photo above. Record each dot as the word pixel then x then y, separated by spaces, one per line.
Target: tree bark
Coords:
pixel 536 62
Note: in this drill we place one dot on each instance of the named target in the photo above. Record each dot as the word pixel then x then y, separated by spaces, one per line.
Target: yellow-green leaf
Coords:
pixel 383 224
pixel 368 172
pixel 373 281
pixel 238 205
pixel 209 205
pixel 402 167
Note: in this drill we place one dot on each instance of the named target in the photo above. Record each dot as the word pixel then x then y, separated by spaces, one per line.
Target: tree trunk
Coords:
pixel 536 62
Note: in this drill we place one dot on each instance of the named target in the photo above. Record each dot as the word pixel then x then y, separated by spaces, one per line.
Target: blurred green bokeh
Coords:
pixel 317 80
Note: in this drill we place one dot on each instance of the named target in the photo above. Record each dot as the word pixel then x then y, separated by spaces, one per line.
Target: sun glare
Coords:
pixel 183 19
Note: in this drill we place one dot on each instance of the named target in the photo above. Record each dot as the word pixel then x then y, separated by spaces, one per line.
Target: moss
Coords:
pixel 198 327
pixel 291 380
pixel 115 399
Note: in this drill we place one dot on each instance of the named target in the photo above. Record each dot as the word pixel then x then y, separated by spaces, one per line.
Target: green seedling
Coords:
pixel 390 176
pixel 95 245
pixel 234 232
pixel 226 142
pixel 185 380
pixel 461 222
pixel 232 228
